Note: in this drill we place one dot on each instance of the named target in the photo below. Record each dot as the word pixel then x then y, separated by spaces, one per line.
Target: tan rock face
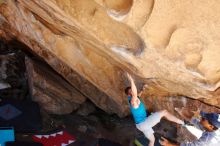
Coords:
pixel 50 90
pixel 171 45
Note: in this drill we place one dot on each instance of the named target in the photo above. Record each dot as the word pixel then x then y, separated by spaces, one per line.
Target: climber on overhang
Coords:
pixel 209 123
pixel 138 110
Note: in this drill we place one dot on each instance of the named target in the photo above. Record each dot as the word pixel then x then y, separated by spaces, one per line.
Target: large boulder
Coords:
pixel 171 45
pixel 54 93
pixel 13 82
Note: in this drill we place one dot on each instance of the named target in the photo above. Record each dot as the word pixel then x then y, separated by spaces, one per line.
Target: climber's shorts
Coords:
pixel 147 126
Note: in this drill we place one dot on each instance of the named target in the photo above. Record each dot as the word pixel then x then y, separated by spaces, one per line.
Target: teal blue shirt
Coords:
pixel 139 114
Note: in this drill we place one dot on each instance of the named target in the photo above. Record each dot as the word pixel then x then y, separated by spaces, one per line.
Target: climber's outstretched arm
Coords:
pixel 133 86
pixel 134 100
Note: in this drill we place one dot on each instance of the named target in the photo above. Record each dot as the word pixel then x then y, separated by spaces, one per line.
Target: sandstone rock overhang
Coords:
pixel 171 45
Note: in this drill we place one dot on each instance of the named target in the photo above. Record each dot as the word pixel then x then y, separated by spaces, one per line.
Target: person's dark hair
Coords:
pixel 215 128
pixel 127 89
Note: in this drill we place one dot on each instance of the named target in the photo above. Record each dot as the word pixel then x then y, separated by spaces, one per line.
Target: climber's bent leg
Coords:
pixel 146 127
pixel 149 134
pixel 170 117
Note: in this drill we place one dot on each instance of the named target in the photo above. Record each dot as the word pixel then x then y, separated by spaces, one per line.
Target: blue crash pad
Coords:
pixel 6 135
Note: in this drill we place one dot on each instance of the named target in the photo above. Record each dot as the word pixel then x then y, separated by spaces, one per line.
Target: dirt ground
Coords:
pixel 100 125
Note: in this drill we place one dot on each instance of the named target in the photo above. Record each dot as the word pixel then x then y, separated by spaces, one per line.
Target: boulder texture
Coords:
pixel 173 46
pixel 50 90
pixel 13 82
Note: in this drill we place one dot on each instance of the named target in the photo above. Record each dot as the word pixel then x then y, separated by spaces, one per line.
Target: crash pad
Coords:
pixel 143 141
pixel 6 134
pixel 23 143
pixel 60 138
pixel 24 116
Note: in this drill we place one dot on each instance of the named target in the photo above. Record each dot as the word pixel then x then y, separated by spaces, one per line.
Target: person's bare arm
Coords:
pixel 133 86
pixel 140 93
pixel 165 142
pixel 134 100
pixel 142 90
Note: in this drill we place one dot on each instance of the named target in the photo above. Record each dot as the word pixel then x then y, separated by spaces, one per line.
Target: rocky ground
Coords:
pixel 101 125
pixel 98 124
